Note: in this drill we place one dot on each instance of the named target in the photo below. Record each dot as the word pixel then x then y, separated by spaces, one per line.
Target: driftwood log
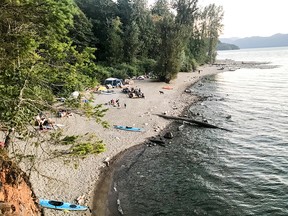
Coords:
pixel 203 124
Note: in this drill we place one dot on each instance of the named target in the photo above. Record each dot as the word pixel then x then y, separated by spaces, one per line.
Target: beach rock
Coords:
pixel 169 135
pixel 228 117
pixel 107 161
pixel 80 200
pixel 181 127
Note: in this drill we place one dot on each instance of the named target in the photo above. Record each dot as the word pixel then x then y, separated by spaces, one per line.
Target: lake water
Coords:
pixel 215 172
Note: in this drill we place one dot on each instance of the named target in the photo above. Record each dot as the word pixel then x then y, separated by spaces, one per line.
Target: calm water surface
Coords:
pixel 214 172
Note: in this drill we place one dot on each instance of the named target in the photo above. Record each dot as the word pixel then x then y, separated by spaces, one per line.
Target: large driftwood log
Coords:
pixel 204 124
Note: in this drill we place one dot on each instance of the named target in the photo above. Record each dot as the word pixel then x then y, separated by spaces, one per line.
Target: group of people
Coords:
pixel 116 103
pixel 134 91
pixel 44 122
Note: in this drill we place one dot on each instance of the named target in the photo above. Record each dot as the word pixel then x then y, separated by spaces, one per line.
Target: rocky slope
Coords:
pixel 16 195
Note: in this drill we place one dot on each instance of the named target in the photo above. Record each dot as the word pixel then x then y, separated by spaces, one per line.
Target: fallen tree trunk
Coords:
pixel 203 124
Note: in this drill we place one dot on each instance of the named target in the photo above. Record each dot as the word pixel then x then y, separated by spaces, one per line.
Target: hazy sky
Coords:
pixel 244 18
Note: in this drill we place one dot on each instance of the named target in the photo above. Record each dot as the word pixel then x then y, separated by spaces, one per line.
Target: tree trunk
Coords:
pixel 8 138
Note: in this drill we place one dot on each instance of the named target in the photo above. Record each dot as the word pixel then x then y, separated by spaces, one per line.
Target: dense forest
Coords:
pixel 51 48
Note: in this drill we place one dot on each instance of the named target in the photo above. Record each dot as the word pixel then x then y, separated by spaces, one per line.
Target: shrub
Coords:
pixel 68 140
pixel 146 65
pixel 128 70
pixel 84 149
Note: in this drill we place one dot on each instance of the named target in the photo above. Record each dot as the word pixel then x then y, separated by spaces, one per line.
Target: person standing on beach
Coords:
pixel 125 105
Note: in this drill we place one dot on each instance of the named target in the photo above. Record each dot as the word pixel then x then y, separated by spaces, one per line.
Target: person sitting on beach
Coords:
pixel 64 113
pixel 113 102
pixel 43 122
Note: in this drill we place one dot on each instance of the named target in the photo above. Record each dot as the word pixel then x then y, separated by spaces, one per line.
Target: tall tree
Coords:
pixel 161 8
pixel 174 33
pixel 100 13
pixel 124 11
pixel 81 31
pixel 131 42
pixel 115 43
pixel 210 26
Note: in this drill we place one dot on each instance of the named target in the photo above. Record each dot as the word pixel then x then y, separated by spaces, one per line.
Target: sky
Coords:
pixel 246 18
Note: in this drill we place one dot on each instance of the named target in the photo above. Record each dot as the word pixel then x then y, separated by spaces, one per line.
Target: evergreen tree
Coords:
pixel 115 43
pixel 131 39
pixel 100 13
pixel 81 32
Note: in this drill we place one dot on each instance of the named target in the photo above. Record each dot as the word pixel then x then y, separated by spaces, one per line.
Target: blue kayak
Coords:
pixel 61 205
pixel 120 127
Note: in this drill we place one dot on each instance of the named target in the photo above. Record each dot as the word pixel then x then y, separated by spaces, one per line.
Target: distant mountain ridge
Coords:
pixel 277 40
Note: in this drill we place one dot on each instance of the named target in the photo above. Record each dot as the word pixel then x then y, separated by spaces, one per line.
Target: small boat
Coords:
pixel 59 205
pixel 127 128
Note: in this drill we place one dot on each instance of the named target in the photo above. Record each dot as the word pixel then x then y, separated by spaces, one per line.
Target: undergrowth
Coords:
pixel 81 145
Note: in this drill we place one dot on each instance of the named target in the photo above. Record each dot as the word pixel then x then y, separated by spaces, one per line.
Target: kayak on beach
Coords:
pixel 61 205
pixel 120 127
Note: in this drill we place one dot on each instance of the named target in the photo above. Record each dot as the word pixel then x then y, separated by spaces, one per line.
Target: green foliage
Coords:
pixel 211 18
pixel 84 149
pixel 115 42
pixel 146 65
pixel 131 42
pixel 97 112
pixel 68 140
pixel 127 71
pixel 38 60
pixel 161 8
pixel 169 62
pixel 81 32
pixel 100 13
